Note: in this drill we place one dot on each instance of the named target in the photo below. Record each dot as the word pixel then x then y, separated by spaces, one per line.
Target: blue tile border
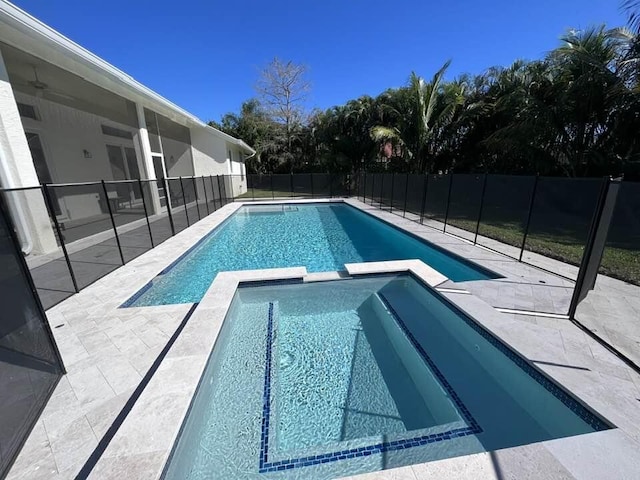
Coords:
pixel 266 395
pixel 133 298
pixel 265 466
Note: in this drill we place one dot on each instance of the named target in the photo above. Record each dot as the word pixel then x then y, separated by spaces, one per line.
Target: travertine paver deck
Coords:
pixel 612 311
pixel 107 351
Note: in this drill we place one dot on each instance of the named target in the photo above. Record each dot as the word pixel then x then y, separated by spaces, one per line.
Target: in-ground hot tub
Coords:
pixel 328 379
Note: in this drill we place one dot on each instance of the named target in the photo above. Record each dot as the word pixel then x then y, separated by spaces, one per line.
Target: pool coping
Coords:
pixel 79 412
pixel 174 384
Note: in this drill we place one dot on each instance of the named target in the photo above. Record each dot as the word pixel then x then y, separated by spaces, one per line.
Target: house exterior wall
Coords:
pixel 209 153
pixel 211 157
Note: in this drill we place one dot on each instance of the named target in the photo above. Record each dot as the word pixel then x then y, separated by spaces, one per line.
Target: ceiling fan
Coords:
pixel 42 87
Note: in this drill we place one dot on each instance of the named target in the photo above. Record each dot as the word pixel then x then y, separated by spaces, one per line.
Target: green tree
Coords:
pixel 424 112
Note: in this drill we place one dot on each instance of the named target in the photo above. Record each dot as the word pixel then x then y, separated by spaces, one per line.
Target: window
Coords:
pixel 28 111
pixel 116 132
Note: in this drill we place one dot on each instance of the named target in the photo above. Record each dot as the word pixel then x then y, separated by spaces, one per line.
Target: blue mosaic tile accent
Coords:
pixel 265 466
pixel 266 402
pixel 131 300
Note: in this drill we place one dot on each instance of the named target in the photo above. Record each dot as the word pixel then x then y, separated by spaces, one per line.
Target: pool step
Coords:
pixel 414 375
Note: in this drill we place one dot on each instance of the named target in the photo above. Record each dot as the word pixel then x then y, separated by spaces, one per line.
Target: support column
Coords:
pixel 28 209
pixel 147 158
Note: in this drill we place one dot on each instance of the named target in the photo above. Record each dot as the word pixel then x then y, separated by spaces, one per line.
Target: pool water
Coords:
pixel 320 237
pixel 328 379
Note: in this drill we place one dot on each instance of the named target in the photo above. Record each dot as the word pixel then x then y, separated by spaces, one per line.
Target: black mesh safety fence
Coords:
pixel 359 180
pixel 52 274
pixel 399 187
pixel 368 187
pixel 296 185
pixel 621 258
pixel 416 184
pixel 209 194
pixel 91 229
pixel 561 215
pixel 218 194
pixel 84 231
pixel 30 366
pixel 201 198
pixel 386 190
pixel 82 210
pixel 340 185
pixel 225 190
pixel 236 186
pixel 464 204
pixel 155 202
pixel 179 209
pixel 302 185
pixel 435 206
pixel 190 200
pixel 229 183
pixel 88 228
pixel 321 184
pixel 259 186
pixel 378 186
pixel 282 186
pixel 252 183
pixel 505 210
pixel 127 209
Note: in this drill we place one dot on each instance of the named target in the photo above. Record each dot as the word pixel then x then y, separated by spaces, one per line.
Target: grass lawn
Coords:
pixel 619 263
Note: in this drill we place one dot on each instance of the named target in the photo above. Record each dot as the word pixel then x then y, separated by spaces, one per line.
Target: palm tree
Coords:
pixel 632 7
pixel 429 108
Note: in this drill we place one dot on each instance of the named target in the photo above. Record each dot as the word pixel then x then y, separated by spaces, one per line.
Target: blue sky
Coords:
pixel 205 55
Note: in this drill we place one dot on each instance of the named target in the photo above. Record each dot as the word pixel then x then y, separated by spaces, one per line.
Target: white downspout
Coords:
pixel 15 208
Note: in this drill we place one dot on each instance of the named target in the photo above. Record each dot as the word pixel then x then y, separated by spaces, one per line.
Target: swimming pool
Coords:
pixel 321 237
pixel 328 379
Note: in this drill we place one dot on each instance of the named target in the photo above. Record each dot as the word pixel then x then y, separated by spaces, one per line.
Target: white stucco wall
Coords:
pixel 211 157
pixel 209 153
